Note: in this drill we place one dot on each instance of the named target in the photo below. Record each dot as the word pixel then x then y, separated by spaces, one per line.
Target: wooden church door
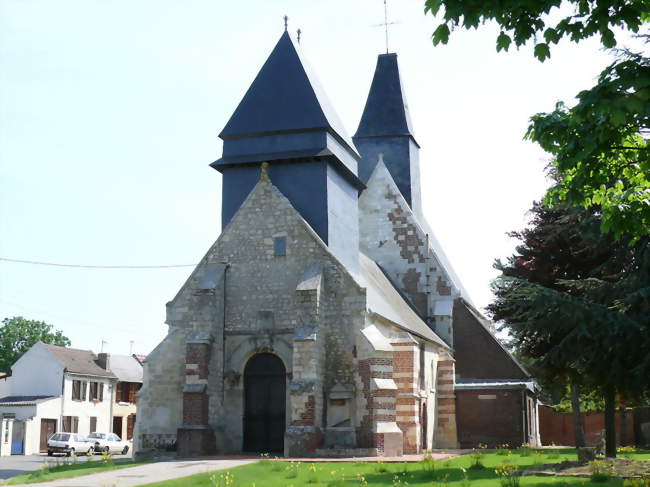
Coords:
pixel 264 404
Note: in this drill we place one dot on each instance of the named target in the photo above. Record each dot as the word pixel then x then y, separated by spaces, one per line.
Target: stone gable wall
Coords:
pixel 390 235
pixel 263 312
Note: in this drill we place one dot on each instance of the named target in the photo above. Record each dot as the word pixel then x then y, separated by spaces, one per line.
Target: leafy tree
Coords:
pixel 600 145
pixel 576 301
pixel 17 335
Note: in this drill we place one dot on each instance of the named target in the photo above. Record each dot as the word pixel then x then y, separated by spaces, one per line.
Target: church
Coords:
pixel 326 320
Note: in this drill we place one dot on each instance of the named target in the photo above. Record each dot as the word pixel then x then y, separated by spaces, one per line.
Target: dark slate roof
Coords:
pixel 386 112
pixel 23 400
pixel 284 97
pixel 79 361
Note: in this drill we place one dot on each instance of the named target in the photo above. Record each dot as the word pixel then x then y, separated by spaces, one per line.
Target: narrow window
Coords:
pixel 84 384
pixel 96 391
pixel 93 424
pixel 280 245
pixel 76 390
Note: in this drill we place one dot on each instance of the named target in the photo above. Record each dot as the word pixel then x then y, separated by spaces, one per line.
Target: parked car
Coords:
pixel 108 443
pixel 69 443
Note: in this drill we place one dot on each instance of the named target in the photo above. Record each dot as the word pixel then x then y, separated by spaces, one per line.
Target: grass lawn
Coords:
pixel 441 473
pixel 68 470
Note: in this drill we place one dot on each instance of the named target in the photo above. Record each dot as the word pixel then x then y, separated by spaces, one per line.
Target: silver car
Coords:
pixel 108 443
pixel 69 444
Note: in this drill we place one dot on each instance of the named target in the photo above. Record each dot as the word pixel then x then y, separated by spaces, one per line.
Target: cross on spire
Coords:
pixel 386 24
pixel 286 21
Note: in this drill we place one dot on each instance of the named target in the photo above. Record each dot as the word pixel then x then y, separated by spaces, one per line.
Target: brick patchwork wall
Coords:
pixel 406 375
pixel 391 235
pixel 197 359
pixel 446 433
pixel 380 404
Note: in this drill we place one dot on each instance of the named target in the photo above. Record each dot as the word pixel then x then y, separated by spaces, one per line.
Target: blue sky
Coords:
pixel 109 115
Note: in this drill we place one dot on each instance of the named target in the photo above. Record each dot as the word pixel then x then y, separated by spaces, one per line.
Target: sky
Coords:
pixel 109 115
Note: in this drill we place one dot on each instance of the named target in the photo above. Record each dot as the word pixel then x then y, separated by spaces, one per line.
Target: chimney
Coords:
pixel 103 360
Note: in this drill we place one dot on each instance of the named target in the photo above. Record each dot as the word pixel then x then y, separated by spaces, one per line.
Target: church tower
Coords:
pixel 385 128
pixel 286 120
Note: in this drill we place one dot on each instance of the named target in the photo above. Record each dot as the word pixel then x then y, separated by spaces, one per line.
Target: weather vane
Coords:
pixel 298 32
pixel 286 20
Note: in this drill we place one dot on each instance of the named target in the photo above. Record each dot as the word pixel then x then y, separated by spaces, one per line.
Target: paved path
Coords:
pixel 144 474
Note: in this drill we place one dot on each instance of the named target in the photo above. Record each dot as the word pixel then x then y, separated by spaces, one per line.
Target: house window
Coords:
pixel 71 424
pixel 93 424
pixel 280 245
pixel 125 391
pixel 78 390
pixel 96 391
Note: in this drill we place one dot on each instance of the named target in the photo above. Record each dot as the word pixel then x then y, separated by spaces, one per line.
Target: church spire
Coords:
pixel 386 127
pixel 286 121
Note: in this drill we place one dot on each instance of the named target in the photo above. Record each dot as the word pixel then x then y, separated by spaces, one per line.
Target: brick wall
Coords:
pixel 478 354
pixel 490 417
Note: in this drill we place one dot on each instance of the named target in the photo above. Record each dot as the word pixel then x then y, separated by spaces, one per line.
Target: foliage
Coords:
pixel 509 475
pixel 575 300
pixel 524 20
pixel 637 482
pixel 598 148
pixel 17 335
pixel 477 460
pixel 601 471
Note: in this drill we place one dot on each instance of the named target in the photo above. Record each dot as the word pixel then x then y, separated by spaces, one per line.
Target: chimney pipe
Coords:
pixel 103 360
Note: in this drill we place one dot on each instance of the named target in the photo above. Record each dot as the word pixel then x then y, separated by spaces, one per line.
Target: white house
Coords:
pixel 55 389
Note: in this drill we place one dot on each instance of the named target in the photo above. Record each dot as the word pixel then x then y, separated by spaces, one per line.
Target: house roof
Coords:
pixel 126 368
pixel 24 400
pixel 384 300
pixel 79 361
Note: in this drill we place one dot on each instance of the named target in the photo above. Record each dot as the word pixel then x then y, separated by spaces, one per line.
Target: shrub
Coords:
pixel 637 482
pixel 428 464
pixel 477 460
pixel 504 449
pixel 380 467
pixel 465 482
pixel 225 479
pixel 312 475
pixel 509 475
pixel 292 470
pixel 601 471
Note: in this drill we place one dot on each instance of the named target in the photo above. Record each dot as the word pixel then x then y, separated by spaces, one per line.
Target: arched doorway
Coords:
pixel 264 403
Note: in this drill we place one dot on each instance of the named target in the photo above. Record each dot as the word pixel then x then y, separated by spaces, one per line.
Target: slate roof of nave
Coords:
pixel 383 299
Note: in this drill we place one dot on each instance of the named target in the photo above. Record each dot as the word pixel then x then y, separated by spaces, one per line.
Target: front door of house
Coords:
pixel 117 425
pixel 264 404
pixel 48 428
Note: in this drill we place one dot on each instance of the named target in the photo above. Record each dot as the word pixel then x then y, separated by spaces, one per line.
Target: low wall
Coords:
pixel 557 428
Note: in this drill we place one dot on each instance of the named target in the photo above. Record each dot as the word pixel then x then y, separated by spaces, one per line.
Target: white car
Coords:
pixel 108 443
pixel 69 443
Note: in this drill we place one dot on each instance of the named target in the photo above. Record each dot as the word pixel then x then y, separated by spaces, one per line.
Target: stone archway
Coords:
pixel 264 404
